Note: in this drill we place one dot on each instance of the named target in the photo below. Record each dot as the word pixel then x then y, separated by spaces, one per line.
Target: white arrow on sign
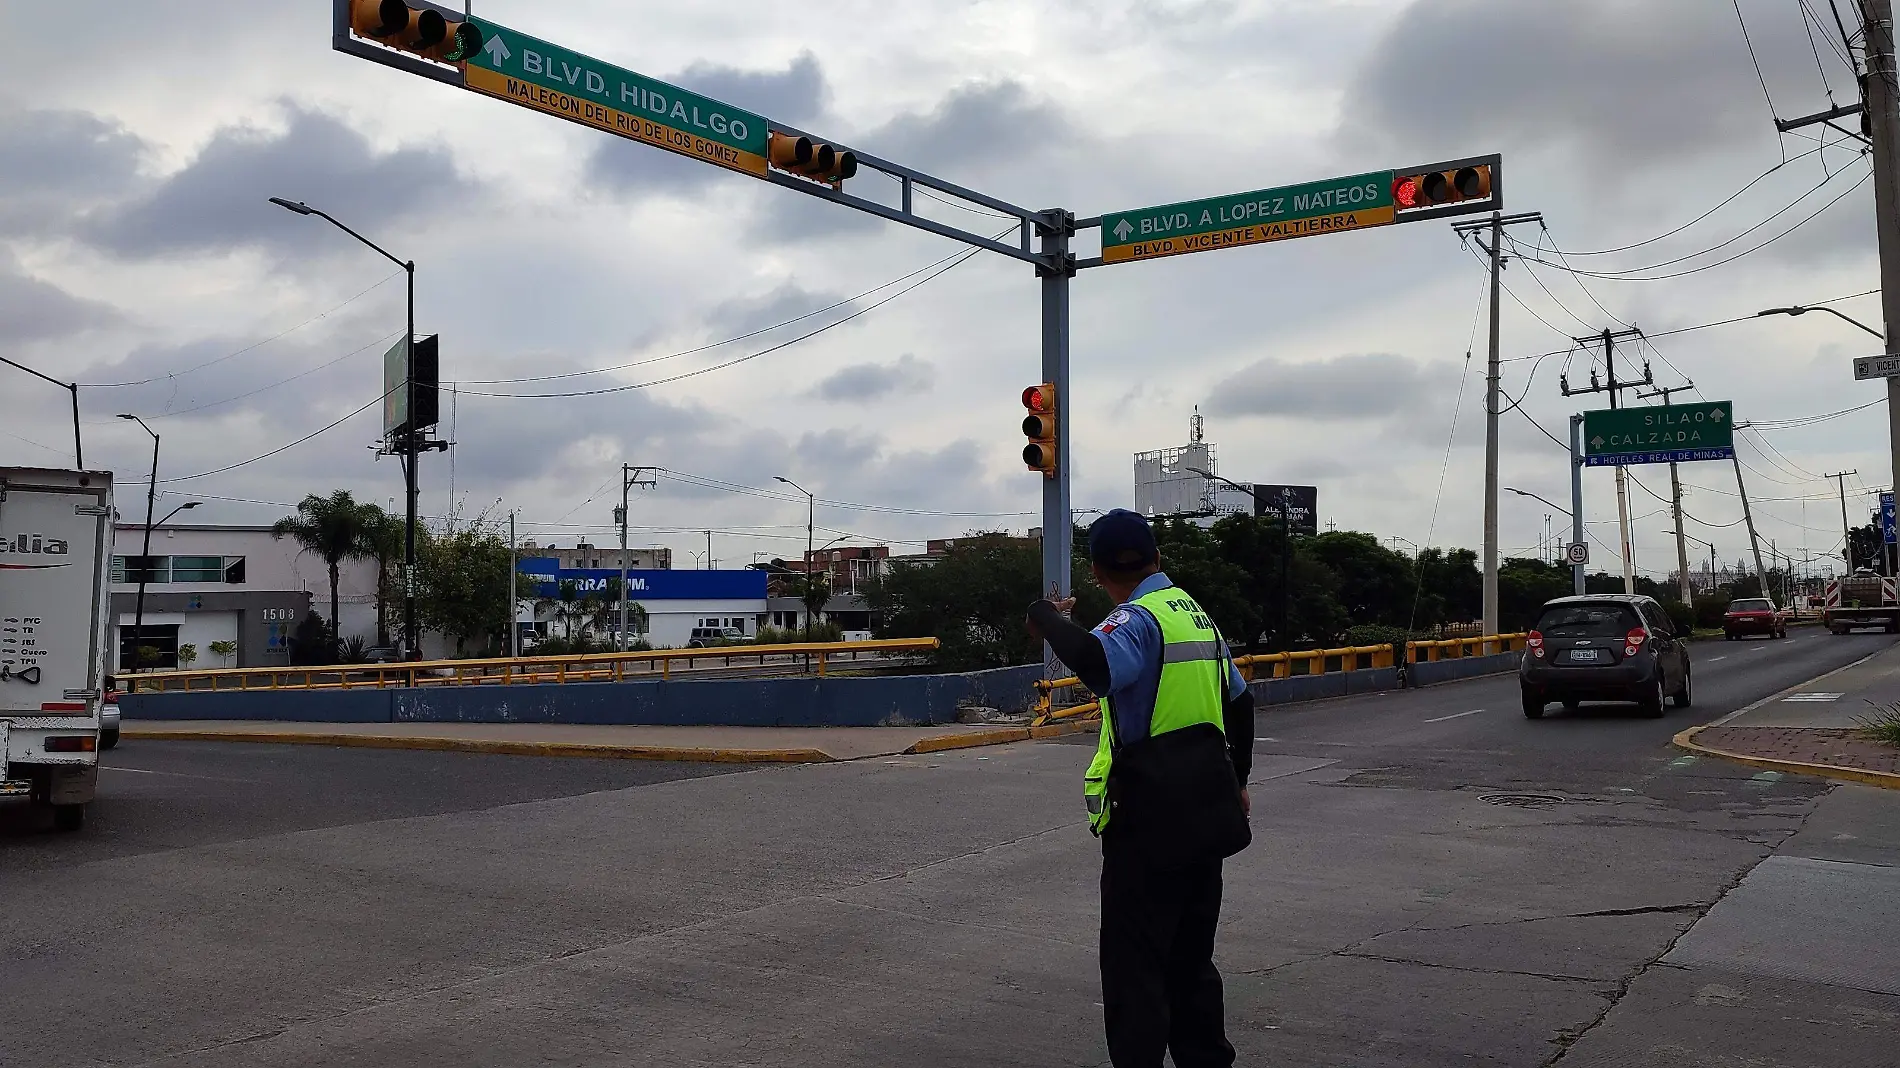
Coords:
pixel 497 51
pixel 1716 415
pixel 1597 442
pixel 1122 230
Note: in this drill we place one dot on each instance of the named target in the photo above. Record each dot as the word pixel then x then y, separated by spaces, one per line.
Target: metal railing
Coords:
pixel 1459 648
pixel 527 670
pixel 1050 692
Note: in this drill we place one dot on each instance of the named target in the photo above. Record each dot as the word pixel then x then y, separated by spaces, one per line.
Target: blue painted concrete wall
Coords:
pixel 850 701
pixel 1431 674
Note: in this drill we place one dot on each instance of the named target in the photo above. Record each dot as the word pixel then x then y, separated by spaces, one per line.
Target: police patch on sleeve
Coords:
pixel 1115 619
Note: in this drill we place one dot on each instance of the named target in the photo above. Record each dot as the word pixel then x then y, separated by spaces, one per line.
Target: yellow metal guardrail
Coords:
pixel 1289 665
pixel 509 671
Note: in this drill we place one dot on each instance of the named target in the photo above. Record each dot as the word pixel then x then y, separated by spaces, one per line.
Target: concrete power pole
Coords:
pixel 1882 119
pixel 1492 408
pixel 1675 496
pixel 1748 516
pixel 1847 536
pixel 1614 388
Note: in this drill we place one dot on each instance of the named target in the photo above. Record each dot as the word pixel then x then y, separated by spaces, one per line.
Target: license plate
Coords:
pixel 1578 656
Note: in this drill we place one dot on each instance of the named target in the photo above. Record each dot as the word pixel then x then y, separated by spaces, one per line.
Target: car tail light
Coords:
pixel 1633 642
pixel 1536 643
pixel 72 745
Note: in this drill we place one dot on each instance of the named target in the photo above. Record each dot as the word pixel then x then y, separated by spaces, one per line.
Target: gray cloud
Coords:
pixel 1628 79
pixel 217 202
pixel 795 95
pixel 1003 121
pixel 870 381
pixel 1358 386
pixel 58 162
pixel 34 310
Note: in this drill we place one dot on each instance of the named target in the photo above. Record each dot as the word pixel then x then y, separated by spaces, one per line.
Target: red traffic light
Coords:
pixel 1039 426
pixel 1441 187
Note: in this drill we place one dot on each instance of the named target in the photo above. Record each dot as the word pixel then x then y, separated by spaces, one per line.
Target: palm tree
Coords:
pixel 588 609
pixel 382 540
pixel 334 528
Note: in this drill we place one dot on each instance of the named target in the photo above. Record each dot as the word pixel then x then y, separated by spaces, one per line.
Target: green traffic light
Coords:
pixel 468 42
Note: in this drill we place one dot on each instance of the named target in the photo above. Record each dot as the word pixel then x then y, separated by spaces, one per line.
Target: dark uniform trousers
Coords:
pixel 1160 989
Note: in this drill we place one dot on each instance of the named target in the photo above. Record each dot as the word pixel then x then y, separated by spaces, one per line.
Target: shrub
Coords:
pixel 354 650
pixel 1883 726
pixel 1375 634
pixel 1681 616
pixel 1710 608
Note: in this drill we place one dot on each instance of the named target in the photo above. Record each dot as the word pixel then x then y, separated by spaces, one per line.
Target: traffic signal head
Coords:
pixel 806 158
pixel 1039 426
pixel 424 31
pixel 1434 188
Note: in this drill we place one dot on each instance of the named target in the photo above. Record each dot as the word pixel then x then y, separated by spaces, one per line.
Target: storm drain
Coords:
pixel 1521 800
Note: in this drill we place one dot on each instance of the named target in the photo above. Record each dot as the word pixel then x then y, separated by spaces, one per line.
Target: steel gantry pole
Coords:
pixel 1058 526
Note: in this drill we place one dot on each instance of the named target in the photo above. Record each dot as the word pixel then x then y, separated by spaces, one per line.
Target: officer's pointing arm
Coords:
pixel 1077 647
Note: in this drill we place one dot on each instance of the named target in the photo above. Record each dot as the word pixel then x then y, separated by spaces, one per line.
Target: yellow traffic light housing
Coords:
pixel 1433 188
pixel 808 159
pixel 1039 426
pixel 424 31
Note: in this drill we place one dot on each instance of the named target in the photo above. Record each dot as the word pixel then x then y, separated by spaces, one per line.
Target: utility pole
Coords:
pixel 630 477
pixel 1675 494
pixel 1847 537
pixel 709 556
pixel 514 626
pixel 1495 224
pixel 1748 516
pixel 1579 573
pixel 1881 121
pixel 1614 388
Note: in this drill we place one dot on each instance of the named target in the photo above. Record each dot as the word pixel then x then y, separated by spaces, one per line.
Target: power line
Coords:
pixel 242 351
pixel 718 344
pixel 1760 77
pixel 1725 202
pixel 281 382
pixel 1691 329
pixel 1632 274
pixel 707 482
pixel 280 448
pixel 957 261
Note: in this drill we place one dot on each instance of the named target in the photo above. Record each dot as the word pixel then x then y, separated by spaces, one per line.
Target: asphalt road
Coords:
pixel 1435 880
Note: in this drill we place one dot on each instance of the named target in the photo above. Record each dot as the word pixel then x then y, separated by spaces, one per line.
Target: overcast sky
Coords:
pixel 138 255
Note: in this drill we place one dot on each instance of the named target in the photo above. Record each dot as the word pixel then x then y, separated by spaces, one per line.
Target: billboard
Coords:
pixel 428 386
pixel 1301 504
pixel 542 574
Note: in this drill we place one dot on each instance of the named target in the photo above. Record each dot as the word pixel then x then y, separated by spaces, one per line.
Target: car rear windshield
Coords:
pixel 1586 621
pixel 1750 606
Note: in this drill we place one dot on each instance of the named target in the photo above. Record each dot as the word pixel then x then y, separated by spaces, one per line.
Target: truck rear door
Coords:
pixel 55 553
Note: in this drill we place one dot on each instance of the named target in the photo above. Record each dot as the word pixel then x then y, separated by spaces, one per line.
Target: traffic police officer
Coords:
pixel 1166 795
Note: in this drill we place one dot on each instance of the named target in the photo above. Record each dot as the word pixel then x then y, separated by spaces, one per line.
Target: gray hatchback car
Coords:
pixel 1605 647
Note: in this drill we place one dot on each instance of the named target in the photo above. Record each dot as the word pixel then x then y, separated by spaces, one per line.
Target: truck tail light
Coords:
pixel 1536 643
pixel 72 744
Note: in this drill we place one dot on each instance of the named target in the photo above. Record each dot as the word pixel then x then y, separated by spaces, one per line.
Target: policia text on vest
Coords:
pixel 1165 795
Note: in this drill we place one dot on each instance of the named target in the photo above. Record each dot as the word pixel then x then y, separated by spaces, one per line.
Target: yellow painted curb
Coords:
pixel 601 751
pixel 1686 740
pixel 994 736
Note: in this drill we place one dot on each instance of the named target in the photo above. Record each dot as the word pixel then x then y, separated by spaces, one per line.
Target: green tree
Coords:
pixel 973 599
pixel 1193 560
pixel 462 585
pixel 1314 615
pixel 1376 585
pixel 334 528
pixel 814 591
pixel 383 542
pixel 1523 588
pixel 1451 588
pixel 574 608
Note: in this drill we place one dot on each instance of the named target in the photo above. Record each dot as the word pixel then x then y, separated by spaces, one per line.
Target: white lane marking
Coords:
pixel 1713 659
pixel 1813 698
pixel 1459 715
pixel 175 774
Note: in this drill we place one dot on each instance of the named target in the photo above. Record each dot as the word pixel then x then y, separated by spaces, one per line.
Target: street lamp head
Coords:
pixel 781 478
pixel 293 205
pixel 123 415
pixel 1797 310
pixel 188 505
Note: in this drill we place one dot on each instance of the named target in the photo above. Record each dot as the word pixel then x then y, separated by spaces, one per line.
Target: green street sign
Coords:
pixel 531 72
pixel 1673 433
pixel 1289 211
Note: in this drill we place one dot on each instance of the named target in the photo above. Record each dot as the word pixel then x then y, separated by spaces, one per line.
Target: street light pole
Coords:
pixel 410 447
pixel 145 553
pixel 811 519
pixel 79 452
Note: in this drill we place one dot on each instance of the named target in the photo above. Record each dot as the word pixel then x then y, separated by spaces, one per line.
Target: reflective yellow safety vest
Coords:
pixel 1193 688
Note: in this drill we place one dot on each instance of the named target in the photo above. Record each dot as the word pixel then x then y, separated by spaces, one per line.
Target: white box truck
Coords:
pixel 55 565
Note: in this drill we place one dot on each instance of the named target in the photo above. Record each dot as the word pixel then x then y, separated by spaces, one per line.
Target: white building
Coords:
pixel 676 603
pixel 230 584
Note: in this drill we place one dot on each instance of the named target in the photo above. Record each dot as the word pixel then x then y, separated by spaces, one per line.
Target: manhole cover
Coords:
pixel 1522 800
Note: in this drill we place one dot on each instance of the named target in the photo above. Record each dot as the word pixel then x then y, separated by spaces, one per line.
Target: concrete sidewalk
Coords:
pixel 726 745
pixel 1814 728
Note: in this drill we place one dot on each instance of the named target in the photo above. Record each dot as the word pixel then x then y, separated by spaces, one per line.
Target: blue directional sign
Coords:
pixel 1887 526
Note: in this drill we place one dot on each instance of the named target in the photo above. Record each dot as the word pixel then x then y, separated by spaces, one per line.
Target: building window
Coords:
pixel 128 568
pixel 197 569
pixel 161 638
pixel 234 570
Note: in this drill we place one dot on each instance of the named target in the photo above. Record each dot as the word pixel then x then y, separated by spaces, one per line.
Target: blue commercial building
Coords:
pixel 680 605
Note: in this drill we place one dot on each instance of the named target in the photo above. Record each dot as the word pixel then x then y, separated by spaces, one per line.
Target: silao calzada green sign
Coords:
pixel 531 72
pixel 1278 214
pixel 1675 433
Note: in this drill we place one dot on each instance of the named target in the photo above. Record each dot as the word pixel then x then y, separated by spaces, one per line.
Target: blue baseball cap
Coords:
pixel 1122 540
